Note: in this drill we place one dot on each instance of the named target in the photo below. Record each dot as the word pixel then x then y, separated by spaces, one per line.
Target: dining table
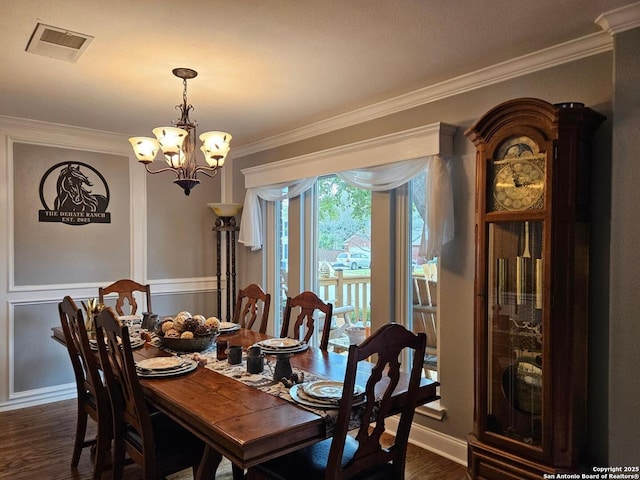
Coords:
pixel 245 424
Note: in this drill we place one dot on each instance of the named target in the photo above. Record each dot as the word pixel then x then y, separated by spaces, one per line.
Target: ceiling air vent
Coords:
pixel 58 43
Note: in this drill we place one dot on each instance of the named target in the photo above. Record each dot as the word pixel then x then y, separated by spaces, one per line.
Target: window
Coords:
pixel 344 254
pixel 282 259
pixel 424 279
pixel 405 153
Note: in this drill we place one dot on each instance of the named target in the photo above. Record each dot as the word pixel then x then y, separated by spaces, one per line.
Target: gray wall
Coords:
pixel 184 246
pixel 39 361
pixel 53 253
pixel 624 319
pixel 587 81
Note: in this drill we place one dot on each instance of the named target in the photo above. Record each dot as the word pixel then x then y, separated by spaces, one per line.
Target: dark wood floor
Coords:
pixel 36 444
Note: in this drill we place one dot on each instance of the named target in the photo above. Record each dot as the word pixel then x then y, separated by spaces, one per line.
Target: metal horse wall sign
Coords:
pixel 74 203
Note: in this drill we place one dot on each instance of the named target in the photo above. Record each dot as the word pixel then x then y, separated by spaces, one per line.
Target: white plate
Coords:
pixel 160 363
pixel 136 342
pixel 130 318
pixel 278 343
pixel 327 389
pixel 188 366
pixel 297 394
pixel 228 327
pixel 275 351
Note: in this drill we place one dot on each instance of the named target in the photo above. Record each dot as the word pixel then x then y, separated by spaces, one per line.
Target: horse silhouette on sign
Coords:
pixel 73 196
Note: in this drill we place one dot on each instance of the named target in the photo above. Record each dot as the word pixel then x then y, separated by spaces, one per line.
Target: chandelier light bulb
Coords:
pixel 171 140
pixel 215 147
pixel 145 148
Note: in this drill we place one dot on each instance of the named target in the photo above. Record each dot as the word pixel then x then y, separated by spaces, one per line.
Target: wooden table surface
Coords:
pixel 242 423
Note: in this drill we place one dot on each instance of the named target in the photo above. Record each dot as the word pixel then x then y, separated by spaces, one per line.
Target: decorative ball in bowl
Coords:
pixel 186 333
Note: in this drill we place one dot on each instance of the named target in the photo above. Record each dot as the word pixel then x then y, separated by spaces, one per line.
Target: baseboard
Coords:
pixel 446 446
pixel 34 400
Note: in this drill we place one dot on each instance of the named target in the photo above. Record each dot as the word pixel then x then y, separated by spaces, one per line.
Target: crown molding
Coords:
pixel 620 19
pixel 549 57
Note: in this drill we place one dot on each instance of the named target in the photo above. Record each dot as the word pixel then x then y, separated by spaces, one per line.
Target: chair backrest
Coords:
pixel 252 302
pixel 123 386
pixel 305 305
pixel 425 311
pixel 125 289
pixel 85 364
pixel 432 289
pixel 386 345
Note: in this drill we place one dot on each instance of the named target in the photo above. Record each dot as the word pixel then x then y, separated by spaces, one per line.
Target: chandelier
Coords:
pixel 178 144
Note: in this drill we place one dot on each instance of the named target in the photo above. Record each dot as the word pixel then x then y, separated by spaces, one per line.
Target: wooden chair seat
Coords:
pixel 312 461
pixel 165 443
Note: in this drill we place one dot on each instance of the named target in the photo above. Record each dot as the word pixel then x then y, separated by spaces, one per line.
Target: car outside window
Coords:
pixel 352 261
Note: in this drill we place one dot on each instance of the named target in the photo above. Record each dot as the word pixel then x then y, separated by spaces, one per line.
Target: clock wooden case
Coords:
pixel 531 283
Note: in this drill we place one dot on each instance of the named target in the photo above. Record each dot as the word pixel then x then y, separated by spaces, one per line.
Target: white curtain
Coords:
pixel 438 222
pixel 438 228
pixel 250 234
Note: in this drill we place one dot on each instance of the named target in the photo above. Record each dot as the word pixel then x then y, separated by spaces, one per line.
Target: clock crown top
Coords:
pixel 529 112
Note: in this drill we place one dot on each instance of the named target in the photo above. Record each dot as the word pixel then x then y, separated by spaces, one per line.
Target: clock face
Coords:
pixel 518 176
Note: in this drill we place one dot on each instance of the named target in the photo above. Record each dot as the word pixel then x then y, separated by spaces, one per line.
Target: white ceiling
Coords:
pixel 265 66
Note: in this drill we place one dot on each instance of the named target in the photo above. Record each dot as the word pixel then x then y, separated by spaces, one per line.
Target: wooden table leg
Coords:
pixel 238 473
pixel 208 464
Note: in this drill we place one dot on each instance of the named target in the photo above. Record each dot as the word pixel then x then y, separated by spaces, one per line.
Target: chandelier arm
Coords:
pixel 165 169
pixel 205 170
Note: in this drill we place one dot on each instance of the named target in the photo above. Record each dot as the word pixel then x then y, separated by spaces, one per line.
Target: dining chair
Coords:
pixel 305 305
pixel 152 439
pixel 93 400
pixel 362 454
pixel 252 302
pixel 425 313
pixel 125 289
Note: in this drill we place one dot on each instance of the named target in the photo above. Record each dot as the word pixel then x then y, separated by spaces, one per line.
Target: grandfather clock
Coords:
pixel 531 284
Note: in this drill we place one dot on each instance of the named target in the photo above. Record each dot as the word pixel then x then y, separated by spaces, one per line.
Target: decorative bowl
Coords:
pixel 195 344
pixel 225 209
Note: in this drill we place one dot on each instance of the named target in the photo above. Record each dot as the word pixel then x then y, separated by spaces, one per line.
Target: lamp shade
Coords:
pixel 145 148
pixel 215 147
pixel 171 140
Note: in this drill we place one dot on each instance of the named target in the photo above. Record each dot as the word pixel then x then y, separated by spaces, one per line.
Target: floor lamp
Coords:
pixel 226 227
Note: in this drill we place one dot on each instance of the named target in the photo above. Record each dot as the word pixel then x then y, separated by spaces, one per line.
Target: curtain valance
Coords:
pixel 438 227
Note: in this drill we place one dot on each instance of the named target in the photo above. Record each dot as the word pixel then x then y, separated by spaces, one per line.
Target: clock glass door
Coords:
pixel 514 334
